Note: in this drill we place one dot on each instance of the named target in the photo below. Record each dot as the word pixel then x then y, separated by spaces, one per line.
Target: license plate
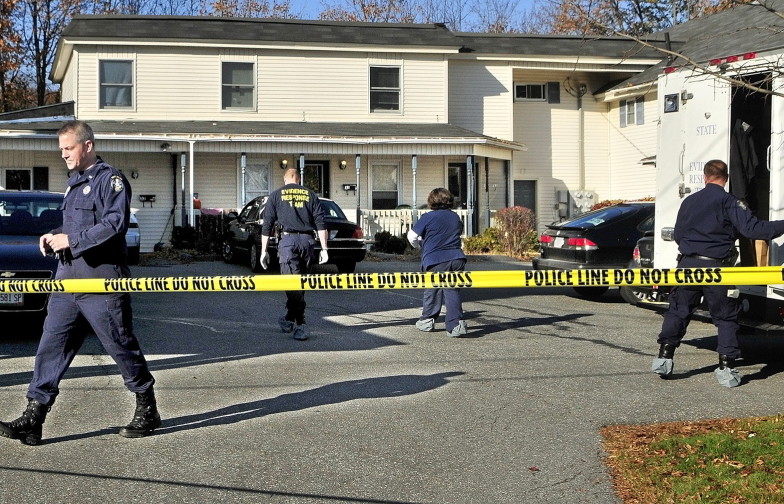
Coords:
pixel 558 243
pixel 14 299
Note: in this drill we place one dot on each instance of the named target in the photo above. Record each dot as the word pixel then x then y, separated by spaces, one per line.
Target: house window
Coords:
pixel 18 179
pixel 632 111
pixel 116 77
pixel 385 186
pixel 531 92
pixel 237 85
pixel 384 88
pixel 257 178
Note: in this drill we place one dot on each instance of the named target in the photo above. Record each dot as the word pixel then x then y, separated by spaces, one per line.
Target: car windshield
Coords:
pixel 29 214
pixel 599 217
pixel 331 209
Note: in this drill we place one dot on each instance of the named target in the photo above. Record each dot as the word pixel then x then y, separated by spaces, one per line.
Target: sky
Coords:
pixel 310 9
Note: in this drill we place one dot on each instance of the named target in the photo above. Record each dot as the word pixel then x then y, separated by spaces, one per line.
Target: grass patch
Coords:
pixel 725 461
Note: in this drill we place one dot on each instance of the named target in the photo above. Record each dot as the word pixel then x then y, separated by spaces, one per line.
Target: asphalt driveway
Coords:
pixel 368 410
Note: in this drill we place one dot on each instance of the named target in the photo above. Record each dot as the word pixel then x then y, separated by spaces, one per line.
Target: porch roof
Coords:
pixel 267 131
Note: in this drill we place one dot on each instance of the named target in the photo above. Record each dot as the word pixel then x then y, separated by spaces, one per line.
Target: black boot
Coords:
pixel 145 419
pixel 666 351
pixel 28 427
pixel 726 362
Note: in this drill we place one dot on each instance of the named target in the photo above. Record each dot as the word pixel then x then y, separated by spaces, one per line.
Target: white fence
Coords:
pixel 397 222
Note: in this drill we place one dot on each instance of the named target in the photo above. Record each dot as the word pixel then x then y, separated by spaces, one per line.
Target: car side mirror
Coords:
pixel 668 234
pixel 232 215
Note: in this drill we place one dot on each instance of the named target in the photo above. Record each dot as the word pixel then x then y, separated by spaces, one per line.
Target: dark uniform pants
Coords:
pixel 684 301
pixel 295 253
pixel 433 299
pixel 65 329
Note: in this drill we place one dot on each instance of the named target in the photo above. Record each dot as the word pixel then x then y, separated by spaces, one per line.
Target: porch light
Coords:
pixel 284 163
pixel 343 164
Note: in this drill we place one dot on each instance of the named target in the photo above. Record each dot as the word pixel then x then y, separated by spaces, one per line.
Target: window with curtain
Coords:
pixel 384 88
pixel 385 186
pixel 238 85
pixel 116 82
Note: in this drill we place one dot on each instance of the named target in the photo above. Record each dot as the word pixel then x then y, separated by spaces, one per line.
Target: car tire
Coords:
pixel 254 251
pixel 133 256
pixel 346 266
pixel 227 251
pixel 590 292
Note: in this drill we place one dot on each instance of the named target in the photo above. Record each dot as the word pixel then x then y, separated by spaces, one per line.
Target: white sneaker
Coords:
pixel 301 332
pixel 461 329
pixel 425 325
pixel 286 326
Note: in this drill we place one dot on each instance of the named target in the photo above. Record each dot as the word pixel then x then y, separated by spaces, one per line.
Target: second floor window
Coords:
pixel 116 78
pixel 384 88
pixel 632 111
pixel 237 85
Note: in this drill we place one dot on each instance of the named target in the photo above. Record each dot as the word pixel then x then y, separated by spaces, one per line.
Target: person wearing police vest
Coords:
pixel 708 223
pixel 297 211
pixel 90 244
pixel 438 234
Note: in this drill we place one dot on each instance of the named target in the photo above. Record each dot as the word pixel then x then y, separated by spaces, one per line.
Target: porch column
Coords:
pixel 413 190
pixel 487 193
pixel 183 211
pixel 470 198
pixel 243 165
pixel 357 165
pixel 192 220
pixel 302 168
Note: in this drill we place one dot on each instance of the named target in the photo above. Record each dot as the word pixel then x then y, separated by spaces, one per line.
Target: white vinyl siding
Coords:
pixel 627 147
pixel 480 98
pixel 290 85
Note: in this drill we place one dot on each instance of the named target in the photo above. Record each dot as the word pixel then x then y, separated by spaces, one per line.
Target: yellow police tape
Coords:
pixel 409 280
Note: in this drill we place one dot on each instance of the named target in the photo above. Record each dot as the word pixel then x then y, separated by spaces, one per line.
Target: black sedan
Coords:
pixel 345 239
pixel 24 217
pixel 600 239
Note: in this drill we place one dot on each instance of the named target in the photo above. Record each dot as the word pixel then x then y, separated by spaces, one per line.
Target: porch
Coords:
pixel 398 222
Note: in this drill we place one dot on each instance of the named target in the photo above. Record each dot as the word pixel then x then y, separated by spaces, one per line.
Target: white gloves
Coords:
pixel 323 257
pixel 414 239
pixel 264 259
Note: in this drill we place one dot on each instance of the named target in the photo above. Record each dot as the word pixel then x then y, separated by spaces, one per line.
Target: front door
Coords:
pixel 316 177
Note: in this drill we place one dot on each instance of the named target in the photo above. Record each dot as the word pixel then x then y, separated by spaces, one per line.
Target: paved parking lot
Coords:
pixel 369 410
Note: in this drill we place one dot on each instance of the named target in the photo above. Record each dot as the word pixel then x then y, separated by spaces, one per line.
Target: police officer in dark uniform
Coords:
pixel 90 244
pixel 708 223
pixel 297 211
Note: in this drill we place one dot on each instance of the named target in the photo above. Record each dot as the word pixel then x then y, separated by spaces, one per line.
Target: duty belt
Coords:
pixel 725 261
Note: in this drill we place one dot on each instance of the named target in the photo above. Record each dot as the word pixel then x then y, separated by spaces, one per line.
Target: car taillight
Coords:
pixel 546 238
pixel 636 255
pixel 582 242
pixel 358 234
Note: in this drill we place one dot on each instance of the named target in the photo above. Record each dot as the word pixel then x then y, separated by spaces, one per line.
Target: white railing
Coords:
pixel 397 222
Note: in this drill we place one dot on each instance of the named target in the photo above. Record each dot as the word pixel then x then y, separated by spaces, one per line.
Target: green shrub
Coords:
pixel 388 244
pixel 484 243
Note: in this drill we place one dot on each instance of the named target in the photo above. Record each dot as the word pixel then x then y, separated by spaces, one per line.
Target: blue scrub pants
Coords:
pixel 433 299
pixel 65 328
pixel 684 301
pixel 295 253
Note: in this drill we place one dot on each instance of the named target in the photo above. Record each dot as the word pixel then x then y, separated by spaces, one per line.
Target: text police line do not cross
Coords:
pixel 768 275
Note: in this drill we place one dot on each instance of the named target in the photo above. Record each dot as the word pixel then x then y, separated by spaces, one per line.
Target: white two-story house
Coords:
pixel 375 115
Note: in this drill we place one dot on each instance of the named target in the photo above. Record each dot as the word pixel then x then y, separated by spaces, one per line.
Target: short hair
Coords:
pixel 293 174
pixel 81 129
pixel 715 168
pixel 440 198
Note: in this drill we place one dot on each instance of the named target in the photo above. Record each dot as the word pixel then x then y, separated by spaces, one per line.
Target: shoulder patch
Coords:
pixel 742 205
pixel 117 183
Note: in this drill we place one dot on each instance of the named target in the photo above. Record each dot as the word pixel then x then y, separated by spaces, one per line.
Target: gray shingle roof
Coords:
pixel 257 30
pixel 555 45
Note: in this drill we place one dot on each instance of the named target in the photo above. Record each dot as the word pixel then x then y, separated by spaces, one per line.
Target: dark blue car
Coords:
pixel 24 217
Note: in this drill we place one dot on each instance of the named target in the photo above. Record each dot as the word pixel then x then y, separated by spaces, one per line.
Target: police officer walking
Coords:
pixel 90 244
pixel 297 211
pixel 708 223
